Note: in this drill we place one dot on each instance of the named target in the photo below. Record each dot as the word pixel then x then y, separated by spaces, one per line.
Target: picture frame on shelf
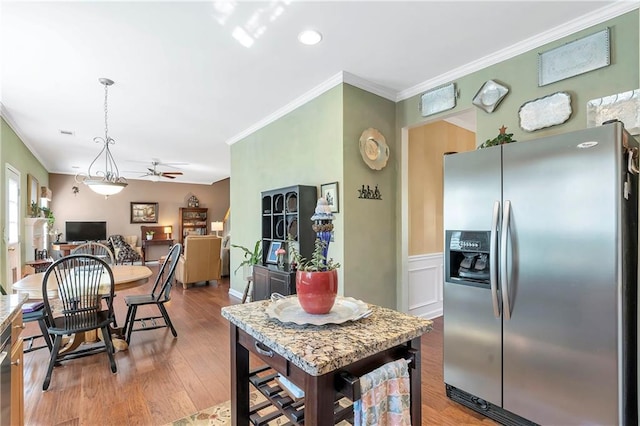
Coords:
pixel 329 191
pixel 144 212
pixel 272 257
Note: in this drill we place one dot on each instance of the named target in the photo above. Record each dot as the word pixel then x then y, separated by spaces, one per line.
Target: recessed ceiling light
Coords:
pixel 310 37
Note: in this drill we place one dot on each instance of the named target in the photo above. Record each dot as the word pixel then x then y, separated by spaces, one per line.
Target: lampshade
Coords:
pixel 167 230
pixel 217 226
pixel 102 187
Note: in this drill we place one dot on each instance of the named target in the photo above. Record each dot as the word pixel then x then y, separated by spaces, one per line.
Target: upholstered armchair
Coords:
pixel 201 260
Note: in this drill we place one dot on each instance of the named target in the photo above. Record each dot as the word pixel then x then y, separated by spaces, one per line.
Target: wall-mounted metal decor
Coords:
pixel 490 95
pixel 369 194
pixel 545 112
pixel 576 57
pixel 374 148
pixel 437 100
pixel 623 106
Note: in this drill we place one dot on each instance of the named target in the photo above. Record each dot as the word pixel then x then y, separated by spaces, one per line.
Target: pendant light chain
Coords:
pixel 106 111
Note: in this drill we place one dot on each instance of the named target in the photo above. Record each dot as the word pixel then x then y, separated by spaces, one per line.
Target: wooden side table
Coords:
pixel 147 243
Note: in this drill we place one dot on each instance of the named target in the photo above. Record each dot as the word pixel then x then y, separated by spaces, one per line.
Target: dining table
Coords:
pixel 124 277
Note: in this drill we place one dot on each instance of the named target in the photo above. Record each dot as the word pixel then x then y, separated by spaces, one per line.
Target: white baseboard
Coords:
pixel 235 293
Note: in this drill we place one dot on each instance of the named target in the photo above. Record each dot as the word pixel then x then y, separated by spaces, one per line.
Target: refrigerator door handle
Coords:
pixel 503 259
pixel 493 256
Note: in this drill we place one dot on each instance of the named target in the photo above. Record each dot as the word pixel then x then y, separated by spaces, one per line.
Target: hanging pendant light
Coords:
pixel 108 181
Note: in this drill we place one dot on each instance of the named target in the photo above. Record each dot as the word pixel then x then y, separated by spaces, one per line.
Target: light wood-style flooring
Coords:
pixel 161 379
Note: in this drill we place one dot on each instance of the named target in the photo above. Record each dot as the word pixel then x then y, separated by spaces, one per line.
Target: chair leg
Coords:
pixel 52 361
pixel 106 335
pixel 126 321
pixel 131 315
pixel 167 320
pixel 45 333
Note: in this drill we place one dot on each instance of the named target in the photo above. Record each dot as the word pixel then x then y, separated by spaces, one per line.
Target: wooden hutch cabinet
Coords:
pixel 286 214
pixel 192 221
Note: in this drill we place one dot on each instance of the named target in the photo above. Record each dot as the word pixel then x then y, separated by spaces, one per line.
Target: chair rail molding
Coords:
pixel 426 285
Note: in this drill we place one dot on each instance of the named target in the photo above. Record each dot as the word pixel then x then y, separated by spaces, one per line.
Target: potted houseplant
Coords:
pixel 316 279
pixel 150 235
pixel 250 258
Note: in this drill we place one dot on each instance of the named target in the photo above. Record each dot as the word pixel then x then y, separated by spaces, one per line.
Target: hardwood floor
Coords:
pixel 161 379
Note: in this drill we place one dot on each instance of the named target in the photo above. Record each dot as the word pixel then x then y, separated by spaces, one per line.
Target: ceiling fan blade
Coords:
pixel 168 176
pixel 171 173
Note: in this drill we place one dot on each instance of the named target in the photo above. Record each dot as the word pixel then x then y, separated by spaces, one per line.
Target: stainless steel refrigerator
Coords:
pixel 541 256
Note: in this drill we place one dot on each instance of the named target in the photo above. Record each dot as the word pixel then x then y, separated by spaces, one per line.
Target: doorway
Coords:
pixel 423 149
pixel 12 226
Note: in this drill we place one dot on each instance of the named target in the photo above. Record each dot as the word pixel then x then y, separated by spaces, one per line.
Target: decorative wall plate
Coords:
pixel 374 149
pixel 489 96
pixel 545 112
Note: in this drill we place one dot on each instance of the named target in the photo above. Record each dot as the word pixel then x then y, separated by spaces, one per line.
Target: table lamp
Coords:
pixel 217 227
pixel 168 230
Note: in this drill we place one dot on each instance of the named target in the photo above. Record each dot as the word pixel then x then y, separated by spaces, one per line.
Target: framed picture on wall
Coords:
pixel 142 212
pixel 329 191
pixel 33 191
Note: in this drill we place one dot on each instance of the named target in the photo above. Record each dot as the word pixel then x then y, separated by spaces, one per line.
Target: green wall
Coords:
pixel 318 143
pixel 315 144
pixel 15 153
pixel 369 263
pixel 520 74
pixel 303 147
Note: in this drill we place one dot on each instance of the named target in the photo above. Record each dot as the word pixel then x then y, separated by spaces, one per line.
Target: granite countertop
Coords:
pixel 9 306
pixel 320 349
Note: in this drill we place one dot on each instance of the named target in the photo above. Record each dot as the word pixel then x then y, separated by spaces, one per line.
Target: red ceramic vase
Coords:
pixel 317 290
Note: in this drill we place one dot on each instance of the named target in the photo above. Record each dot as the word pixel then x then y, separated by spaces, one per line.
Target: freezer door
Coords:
pixel 472 334
pixel 561 358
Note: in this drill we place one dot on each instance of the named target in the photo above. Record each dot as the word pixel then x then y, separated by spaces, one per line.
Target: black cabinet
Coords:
pixel 286 219
pixel 286 214
pixel 270 279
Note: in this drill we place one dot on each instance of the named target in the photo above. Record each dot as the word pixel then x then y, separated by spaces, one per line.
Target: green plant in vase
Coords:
pixel 317 277
pixel 250 257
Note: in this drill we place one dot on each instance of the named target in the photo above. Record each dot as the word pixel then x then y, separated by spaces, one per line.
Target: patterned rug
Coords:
pixel 220 415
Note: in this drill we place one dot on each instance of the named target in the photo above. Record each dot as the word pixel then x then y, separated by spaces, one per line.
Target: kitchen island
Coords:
pixel 323 360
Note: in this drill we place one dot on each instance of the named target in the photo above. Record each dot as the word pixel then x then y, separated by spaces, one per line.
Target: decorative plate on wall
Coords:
pixel 374 149
pixel 489 96
pixel 545 112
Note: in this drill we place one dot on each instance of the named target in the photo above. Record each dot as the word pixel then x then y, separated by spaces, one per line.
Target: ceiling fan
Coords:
pixel 156 174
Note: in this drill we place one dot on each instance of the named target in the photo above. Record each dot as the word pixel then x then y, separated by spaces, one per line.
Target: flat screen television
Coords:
pixel 86 231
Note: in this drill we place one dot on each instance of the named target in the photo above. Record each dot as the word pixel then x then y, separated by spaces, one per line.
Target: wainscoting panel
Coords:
pixel 425 285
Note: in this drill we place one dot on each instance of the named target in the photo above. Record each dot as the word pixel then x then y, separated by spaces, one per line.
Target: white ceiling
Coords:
pixel 185 88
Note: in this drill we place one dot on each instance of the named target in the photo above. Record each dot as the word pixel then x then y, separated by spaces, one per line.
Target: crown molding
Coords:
pixel 341 77
pixel 596 17
pixel 298 102
pixel 376 89
pixel 4 113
